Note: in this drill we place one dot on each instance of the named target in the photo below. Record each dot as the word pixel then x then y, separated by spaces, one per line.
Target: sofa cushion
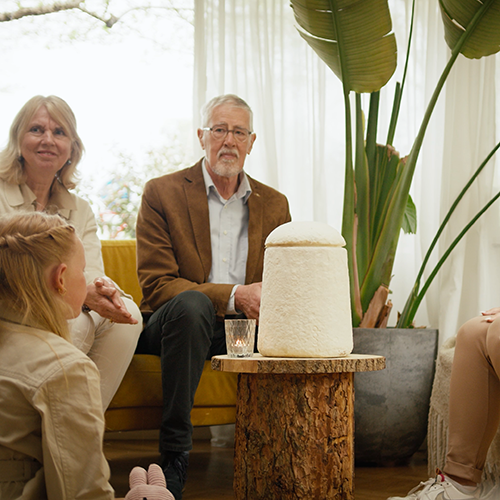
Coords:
pixel 120 263
pixel 141 385
pixel 137 405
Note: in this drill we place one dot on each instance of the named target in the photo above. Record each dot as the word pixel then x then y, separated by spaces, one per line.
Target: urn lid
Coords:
pixel 305 234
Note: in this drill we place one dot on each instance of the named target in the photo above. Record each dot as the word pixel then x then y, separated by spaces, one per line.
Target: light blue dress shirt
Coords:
pixel 228 234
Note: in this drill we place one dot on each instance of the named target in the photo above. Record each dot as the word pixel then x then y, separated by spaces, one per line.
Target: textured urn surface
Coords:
pixel 391 406
pixel 305 306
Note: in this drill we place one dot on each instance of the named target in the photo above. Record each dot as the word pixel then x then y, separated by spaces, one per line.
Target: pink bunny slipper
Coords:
pixel 148 485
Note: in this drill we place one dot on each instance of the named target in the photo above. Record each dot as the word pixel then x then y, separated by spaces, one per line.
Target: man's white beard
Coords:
pixel 227 168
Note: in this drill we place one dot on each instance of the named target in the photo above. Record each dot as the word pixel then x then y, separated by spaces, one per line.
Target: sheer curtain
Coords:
pixel 253 49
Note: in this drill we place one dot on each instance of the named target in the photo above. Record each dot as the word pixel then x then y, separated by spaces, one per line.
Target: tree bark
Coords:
pixel 294 437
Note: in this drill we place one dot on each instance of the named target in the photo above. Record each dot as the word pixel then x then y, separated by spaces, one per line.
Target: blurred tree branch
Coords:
pixel 43 9
pixel 108 19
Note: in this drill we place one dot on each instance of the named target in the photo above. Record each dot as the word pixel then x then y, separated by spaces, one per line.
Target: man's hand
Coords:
pixel 104 299
pixel 247 300
pixel 491 314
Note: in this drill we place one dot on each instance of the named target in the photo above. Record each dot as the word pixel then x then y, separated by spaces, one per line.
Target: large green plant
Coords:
pixel 353 37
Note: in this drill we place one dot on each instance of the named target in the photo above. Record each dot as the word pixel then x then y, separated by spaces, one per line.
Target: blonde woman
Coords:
pixel 51 418
pixel 37 172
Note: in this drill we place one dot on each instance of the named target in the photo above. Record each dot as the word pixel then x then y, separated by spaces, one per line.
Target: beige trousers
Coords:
pixel 474 398
pixel 109 345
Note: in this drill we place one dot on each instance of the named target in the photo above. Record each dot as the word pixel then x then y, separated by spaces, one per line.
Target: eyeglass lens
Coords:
pixel 239 134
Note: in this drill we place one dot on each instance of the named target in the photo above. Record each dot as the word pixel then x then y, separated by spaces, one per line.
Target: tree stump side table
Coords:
pixel 295 425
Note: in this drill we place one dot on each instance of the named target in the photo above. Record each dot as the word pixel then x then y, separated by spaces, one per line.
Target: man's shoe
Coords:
pixel 438 488
pixel 175 469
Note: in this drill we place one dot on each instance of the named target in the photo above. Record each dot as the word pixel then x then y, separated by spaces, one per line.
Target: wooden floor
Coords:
pixel 210 474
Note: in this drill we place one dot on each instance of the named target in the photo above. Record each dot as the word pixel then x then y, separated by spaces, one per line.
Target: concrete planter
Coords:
pixel 392 405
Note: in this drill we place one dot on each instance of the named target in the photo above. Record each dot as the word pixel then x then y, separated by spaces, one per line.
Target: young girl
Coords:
pixel 51 417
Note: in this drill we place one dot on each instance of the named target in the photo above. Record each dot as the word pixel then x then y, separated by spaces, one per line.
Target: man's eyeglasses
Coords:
pixel 219 133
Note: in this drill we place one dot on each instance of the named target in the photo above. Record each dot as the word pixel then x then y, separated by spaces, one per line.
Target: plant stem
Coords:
pixel 412 160
pixel 416 304
pixel 404 320
pixel 348 216
pixel 398 93
pixel 452 209
pixel 363 195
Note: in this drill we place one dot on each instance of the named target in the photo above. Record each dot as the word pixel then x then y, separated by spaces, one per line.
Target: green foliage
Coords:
pixel 410 218
pixel 457 15
pixel 354 40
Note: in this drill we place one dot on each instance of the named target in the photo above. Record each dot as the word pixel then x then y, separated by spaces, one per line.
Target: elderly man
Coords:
pixel 200 249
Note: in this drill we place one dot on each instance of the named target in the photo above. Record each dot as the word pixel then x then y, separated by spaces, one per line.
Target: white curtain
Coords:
pixel 253 49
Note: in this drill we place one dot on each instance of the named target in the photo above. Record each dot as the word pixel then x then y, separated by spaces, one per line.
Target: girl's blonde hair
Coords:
pixel 12 163
pixel 29 244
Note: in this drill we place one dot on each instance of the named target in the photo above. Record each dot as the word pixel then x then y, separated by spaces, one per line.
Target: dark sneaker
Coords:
pixel 175 469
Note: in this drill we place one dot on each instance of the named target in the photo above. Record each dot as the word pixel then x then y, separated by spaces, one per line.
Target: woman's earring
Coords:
pixel 68 162
pixel 62 291
pixel 20 159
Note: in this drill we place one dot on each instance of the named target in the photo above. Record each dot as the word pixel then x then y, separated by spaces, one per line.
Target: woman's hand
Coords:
pixel 104 298
pixel 491 314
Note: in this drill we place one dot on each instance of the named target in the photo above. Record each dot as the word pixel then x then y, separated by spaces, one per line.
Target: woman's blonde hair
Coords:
pixel 29 244
pixel 11 162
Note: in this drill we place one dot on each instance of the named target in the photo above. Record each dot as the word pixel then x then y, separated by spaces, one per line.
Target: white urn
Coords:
pixel 305 306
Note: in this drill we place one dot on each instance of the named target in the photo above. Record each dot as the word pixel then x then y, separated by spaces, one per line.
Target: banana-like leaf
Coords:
pixel 385 229
pixel 362 28
pixel 384 175
pixel 410 217
pixel 485 40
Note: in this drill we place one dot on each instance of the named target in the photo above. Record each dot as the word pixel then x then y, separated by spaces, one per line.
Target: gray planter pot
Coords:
pixel 391 406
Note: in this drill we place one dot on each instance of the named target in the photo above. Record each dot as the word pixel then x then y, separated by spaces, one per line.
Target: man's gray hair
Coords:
pixel 230 99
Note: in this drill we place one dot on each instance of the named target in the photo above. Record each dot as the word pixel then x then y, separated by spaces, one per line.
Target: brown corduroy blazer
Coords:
pixel 173 237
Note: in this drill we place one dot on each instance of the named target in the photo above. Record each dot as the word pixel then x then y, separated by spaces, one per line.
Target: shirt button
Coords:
pixel 224 259
pixel 225 232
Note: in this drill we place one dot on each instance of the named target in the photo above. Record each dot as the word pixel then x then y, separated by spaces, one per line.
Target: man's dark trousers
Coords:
pixel 184 333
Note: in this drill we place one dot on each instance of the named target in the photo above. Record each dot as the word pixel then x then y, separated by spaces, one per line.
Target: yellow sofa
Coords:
pixel 137 405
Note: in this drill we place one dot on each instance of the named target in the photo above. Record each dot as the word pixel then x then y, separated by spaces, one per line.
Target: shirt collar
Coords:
pixel 61 201
pixel 18 195
pixel 244 189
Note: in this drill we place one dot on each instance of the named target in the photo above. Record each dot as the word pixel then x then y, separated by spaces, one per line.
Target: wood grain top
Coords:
pixel 260 364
